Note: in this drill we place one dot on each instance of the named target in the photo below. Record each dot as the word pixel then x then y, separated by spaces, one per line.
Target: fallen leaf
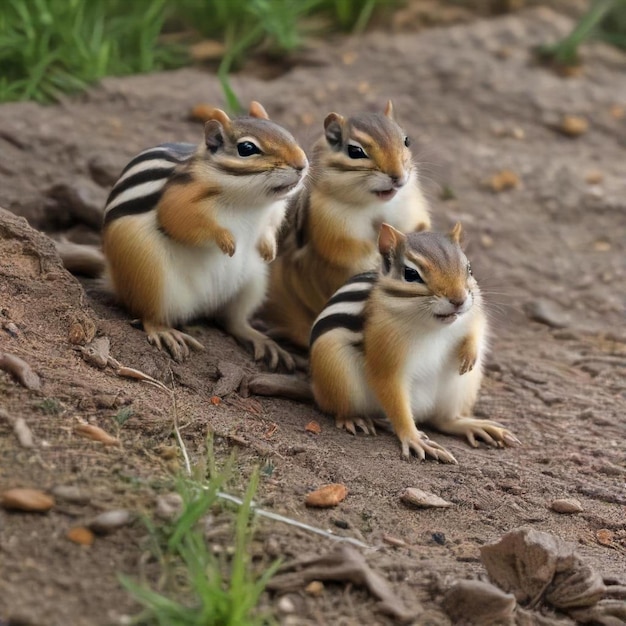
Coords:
pixel 503 180
pixel 216 400
pixel 423 499
pixel 80 535
pixel 32 500
pixel 313 427
pixel 327 496
pixel 96 433
pixel 604 536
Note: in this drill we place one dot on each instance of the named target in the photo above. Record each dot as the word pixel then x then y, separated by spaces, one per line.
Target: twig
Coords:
pixel 292 522
pixel 179 437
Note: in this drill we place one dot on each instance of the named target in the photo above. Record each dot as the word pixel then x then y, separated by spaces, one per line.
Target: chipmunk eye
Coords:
pixel 407 141
pixel 247 148
pixel 356 152
pixel 412 276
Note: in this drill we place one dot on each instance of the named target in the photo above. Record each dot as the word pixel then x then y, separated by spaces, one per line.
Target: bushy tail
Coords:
pixel 81 259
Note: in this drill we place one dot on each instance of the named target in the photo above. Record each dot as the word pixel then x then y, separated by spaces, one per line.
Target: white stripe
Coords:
pixel 364 286
pixel 346 308
pixel 412 266
pixel 145 189
pixel 142 166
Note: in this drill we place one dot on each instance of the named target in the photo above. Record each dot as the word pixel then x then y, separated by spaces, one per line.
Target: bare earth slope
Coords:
pixel 475 104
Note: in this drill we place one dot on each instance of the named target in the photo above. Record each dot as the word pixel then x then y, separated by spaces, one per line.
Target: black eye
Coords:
pixel 469 270
pixel 355 152
pixel 247 148
pixel 407 141
pixel 411 275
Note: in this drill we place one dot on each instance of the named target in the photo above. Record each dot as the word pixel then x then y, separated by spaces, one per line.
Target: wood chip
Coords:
pixel 96 433
pixel 20 370
pixel 573 125
pixel 423 499
pixel 313 427
pixel 503 180
pixel 82 329
pixel 81 535
pixel 566 505
pixel 32 500
pixel 394 541
pixel 216 400
pixel 594 177
pixel 327 496
pixel 315 588
pixel 207 50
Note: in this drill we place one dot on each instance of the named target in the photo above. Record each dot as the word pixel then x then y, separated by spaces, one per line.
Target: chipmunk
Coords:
pixel 188 230
pixel 361 175
pixel 407 343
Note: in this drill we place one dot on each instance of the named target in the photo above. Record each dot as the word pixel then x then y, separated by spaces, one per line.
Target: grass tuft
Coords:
pixel 215 590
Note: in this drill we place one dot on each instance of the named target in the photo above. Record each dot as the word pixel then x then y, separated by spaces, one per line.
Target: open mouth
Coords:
pixel 386 194
pixel 448 318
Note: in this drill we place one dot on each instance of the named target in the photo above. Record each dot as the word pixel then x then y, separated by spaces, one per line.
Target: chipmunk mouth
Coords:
pixel 386 194
pixel 448 318
pixel 281 190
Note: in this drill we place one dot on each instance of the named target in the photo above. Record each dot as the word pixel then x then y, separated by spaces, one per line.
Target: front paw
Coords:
pixel 266 247
pixel 467 357
pixel 226 242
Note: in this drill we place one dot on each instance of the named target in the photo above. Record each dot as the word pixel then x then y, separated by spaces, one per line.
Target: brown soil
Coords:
pixel 475 103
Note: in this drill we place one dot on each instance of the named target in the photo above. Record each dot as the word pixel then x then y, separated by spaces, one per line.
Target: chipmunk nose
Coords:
pixel 398 180
pixel 457 302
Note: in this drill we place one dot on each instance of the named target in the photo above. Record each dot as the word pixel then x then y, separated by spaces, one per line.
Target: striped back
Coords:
pixel 345 308
pixel 140 185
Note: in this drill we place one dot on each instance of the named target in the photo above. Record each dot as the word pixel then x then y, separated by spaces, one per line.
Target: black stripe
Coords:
pixel 179 177
pixel 365 277
pixel 143 204
pixel 337 320
pixel 173 152
pixel 350 296
pixel 139 178
pixel 397 292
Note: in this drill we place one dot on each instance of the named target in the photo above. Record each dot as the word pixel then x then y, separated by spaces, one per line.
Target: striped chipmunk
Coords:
pixel 407 343
pixel 362 174
pixel 189 230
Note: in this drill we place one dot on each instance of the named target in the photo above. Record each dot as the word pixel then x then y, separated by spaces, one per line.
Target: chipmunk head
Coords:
pixel 430 267
pixel 251 155
pixel 364 158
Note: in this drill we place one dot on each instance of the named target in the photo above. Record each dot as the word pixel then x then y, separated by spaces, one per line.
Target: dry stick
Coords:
pixel 179 437
pixel 292 522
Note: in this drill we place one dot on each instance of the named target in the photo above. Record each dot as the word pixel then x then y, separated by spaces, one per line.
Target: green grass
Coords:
pixel 200 588
pixel 52 47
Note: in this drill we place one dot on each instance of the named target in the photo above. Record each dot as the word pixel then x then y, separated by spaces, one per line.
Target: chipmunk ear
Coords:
pixel 258 110
pixel 333 127
pixel 389 109
pixel 456 233
pixel 213 135
pixel 389 239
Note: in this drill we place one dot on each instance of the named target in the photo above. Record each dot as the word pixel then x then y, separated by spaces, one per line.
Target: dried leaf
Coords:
pixel 96 433
pixel 327 496
pixel 20 370
pixel 313 427
pixel 32 500
pixel 81 535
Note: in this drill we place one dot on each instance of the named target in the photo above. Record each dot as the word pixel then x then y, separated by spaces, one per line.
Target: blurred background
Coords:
pixel 49 48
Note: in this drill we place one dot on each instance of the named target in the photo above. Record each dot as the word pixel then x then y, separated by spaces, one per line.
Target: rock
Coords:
pixel 81 535
pixel 566 505
pixel 327 496
pixel 105 169
pixel 503 180
pixel 477 602
pixel 71 493
pixel 423 499
pixel 572 125
pixel 97 352
pixel 231 376
pixel 31 500
pixel 286 606
pixel 169 506
pixel 109 521
pixel 83 199
pixel 20 370
pixel 544 312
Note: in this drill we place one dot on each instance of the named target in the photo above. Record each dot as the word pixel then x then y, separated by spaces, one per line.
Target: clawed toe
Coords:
pixel 422 446
pixel 176 342
pixel 364 424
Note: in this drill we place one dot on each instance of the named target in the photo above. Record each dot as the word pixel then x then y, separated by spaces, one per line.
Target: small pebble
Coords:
pixel 439 538
pixel 503 180
pixel 71 493
pixel 109 521
pixel 605 536
pixel 566 505
pixel 327 496
pixel 313 427
pixel 594 177
pixel 286 605
pixel 81 535
pixel 31 500
pixel 544 312
pixel 315 588
pixel 423 499
pixel 573 125
pixel 341 523
pixel 168 506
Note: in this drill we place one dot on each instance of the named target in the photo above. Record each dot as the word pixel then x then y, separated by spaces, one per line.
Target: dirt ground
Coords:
pixel 551 248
